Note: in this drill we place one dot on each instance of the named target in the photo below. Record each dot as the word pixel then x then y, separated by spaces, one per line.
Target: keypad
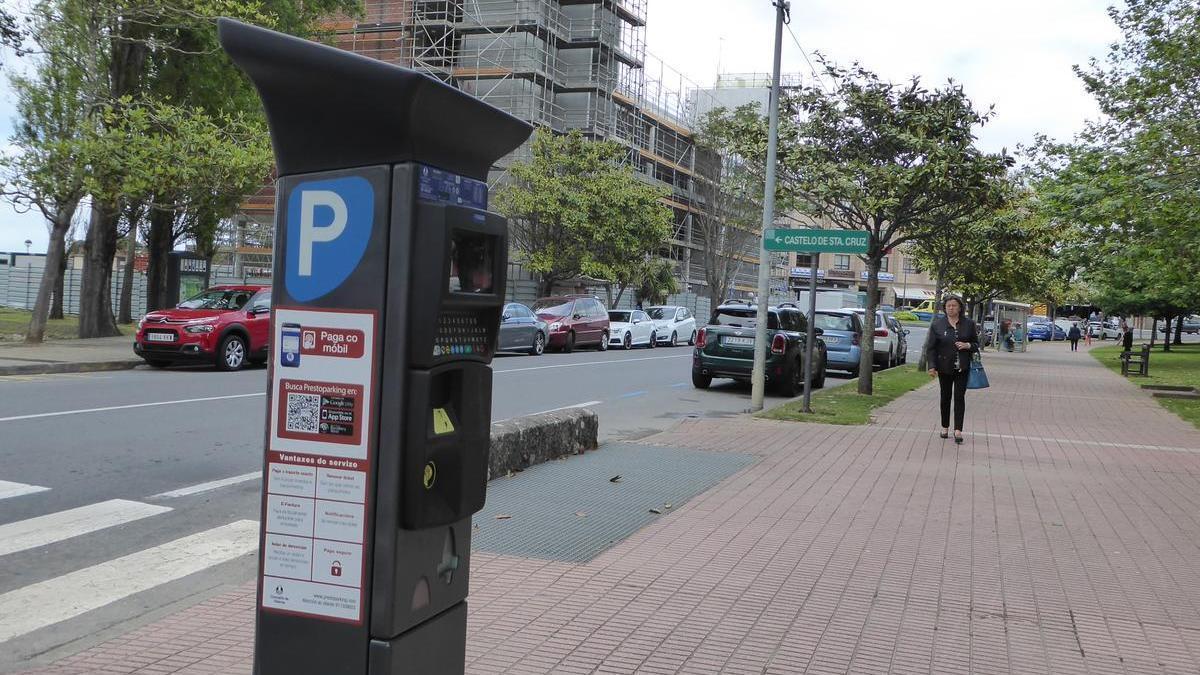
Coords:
pixel 460 334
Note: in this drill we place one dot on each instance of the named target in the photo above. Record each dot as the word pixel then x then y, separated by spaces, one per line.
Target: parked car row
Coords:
pixel 725 347
pixel 229 326
pixel 571 321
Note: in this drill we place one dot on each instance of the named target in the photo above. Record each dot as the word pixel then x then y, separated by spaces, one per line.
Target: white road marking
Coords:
pixel 615 362
pixel 52 527
pixel 205 487
pixel 587 404
pixel 59 413
pixel 9 490
pixel 54 600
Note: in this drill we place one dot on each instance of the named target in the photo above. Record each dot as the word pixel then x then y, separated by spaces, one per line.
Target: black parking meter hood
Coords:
pixel 331 109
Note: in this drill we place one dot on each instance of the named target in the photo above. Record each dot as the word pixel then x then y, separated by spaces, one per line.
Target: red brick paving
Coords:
pixel 1062 537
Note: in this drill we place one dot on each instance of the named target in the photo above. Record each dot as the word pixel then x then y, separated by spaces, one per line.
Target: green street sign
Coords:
pixel 816 241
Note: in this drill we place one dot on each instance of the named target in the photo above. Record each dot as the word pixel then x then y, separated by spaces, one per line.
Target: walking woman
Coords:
pixel 954 338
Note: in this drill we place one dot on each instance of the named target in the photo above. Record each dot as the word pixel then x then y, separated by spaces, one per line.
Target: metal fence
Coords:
pixel 19 287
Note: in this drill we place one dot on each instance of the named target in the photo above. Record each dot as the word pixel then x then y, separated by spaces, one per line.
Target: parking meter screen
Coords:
pixel 471 264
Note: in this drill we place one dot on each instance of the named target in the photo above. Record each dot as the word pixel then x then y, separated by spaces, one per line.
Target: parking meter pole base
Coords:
pixel 425 650
pixel 388 287
pixel 424 573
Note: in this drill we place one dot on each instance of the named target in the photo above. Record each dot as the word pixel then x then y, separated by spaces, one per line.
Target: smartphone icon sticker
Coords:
pixel 290 346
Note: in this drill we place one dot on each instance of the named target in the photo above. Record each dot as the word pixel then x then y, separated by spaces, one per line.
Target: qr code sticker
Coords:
pixel 303 413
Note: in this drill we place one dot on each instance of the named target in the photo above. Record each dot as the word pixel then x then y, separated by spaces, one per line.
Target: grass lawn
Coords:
pixel 1181 365
pixel 844 405
pixel 14 323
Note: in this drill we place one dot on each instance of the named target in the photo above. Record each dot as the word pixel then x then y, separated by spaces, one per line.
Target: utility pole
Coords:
pixel 811 337
pixel 758 375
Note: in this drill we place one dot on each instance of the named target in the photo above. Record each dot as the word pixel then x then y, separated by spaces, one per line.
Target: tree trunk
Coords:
pixel 1179 330
pixel 545 285
pixel 160 240
pixel 56 306
pixel 937 302
pixel 51 274
pixel 125 305
pixel 1167 332
pixel 95 299
pixel 620 294
pixel 866 362
pixel 1153 328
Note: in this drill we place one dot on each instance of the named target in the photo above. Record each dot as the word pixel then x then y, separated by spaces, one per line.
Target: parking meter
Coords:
pixel 389 280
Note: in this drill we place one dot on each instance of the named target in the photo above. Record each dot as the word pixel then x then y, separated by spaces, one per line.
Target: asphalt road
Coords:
pixel 106 478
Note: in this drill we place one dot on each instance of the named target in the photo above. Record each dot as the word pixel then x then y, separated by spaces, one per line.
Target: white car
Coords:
pixel 889 345
pixel 673 324
pixel 630 328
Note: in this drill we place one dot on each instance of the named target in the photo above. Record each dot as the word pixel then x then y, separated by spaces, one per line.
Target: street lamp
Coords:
pixel 28 243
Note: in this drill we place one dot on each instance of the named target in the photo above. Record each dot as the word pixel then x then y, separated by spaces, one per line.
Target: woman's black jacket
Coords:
pixel 942 354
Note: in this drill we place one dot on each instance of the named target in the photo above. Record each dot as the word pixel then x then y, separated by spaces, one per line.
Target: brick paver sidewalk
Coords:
pixel 1062 537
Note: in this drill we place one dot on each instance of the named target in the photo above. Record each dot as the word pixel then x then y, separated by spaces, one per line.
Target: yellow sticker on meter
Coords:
pixel 430 476
pixel 441 421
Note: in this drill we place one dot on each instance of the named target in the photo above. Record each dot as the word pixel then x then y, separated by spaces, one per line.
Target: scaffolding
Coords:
pixel 559 64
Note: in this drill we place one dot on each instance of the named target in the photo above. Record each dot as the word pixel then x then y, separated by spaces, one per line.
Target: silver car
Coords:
pixel 521 330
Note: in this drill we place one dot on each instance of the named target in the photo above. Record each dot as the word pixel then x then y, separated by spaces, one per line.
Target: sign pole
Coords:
pixel 812 330
pixel 758 375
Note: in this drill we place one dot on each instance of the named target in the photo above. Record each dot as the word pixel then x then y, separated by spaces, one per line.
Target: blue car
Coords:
pixel 1046 331
pixel 842 338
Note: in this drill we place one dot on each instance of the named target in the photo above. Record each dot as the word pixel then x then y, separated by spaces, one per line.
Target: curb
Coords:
pixel 70 367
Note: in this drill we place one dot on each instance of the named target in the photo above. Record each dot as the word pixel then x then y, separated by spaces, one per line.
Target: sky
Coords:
pixel 1016 55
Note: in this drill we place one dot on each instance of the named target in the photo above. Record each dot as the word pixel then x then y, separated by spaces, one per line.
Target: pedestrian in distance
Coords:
pixel 1126 336
pixel 1087 333
pixel 1073 336
pixel 954 341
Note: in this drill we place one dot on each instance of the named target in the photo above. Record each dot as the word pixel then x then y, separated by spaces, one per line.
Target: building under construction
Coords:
pixel 561 64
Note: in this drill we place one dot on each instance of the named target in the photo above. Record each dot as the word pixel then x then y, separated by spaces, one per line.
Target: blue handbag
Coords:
pixel 976 377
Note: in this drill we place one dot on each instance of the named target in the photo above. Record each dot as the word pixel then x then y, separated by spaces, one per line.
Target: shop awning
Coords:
pixel 913 294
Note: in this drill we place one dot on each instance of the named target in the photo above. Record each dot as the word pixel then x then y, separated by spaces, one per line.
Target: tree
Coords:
pixel 886 159
pixel 656 280
pixel 54 142
pixel 958 244
pixel 1130 182
pixel 119 48
pixel 577 210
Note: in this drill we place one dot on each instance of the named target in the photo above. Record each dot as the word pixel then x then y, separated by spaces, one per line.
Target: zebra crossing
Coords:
pixel 99 584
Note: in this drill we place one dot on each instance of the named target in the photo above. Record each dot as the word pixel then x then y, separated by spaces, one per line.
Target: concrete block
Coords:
pixel 522 442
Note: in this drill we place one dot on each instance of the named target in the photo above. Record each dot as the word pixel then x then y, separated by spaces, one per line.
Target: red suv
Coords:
pixel 573 321
pixel 225 325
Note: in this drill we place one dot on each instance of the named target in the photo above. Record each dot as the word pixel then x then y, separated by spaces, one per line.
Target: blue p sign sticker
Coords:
pixel 328 226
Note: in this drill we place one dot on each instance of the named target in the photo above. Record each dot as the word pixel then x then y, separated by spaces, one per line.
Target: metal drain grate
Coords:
pixel 543 501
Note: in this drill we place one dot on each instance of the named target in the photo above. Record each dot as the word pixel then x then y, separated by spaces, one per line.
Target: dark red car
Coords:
pixel 225 325
pixel 573 321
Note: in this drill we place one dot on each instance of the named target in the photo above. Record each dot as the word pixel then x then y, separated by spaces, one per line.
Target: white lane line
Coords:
pixel 587 404
pixel 210 485
pixel 615 362
pixel 9 490
pixel 54 600
pixel 15 418
pixel 52 527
